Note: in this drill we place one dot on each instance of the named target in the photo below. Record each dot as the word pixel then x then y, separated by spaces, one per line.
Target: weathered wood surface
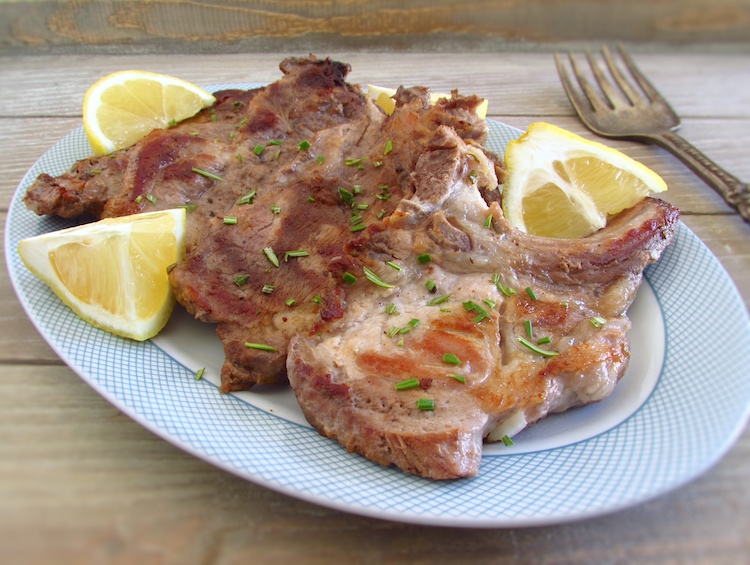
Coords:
pixel 236 26
pixel 82 483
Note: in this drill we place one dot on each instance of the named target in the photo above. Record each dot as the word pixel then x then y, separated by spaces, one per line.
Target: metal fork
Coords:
pixel 624 110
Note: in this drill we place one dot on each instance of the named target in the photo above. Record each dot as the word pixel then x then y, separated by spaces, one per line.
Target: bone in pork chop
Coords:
pixel 345 376
pixel 320 185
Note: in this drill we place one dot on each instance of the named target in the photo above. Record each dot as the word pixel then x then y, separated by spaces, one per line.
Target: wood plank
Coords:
pixel 514 83
pixel 129 26
pixel 65 452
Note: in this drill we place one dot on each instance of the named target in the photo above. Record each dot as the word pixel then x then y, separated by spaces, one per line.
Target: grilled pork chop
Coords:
pixel 311 220
pixel 461 346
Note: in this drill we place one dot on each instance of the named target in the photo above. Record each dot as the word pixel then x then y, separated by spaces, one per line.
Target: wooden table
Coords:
pixel 82 483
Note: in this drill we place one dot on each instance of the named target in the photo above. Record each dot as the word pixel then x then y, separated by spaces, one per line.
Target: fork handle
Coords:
pixel 734 191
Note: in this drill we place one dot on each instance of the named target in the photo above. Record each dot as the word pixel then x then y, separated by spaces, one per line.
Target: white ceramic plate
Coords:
pixel 679 408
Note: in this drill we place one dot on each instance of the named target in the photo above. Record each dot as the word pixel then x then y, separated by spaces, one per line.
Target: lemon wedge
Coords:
pixel 121 108
pixel 383 97
pixel 562 185
pixel 113 273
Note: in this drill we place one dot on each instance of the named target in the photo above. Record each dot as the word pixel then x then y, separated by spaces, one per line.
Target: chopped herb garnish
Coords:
pixel 358 227
pixel 188 207
pixel 424 258
pixel 536 349
pixel 316 299
pixel 543 340
pixel 356 218
pixel 439 300
pixel 426 404
pixel 357 188
pixel 352 162
pixel 391 309
pixel 239 158
pixel 268 251
pixel 346 196
pixel 489 302
pixel 151 198
pixel 597 321
pixel 321 158
pixel 380 214
pixel 138 199
pixel 277 155
pixel 528 328
pixel 311 199
pixel 474 307
pixel 260 346
pixel 473 176
pixel 394 265
pixel 488 222
pixel 377 164
pixel 267 289
pixel 275 209
pixel 304 145
pixel 363 206
pixel 451 359
pixel 171 123
pixel 276 142
pixel 393 332
pixel 199 373
pixel 459 378
pixel 507 441
pixel 259 149
pixel 506 290
pixel 388 147
pixel 295 253
pixel 206 174
pixel 407 384
pixel 383 196
pixel 241 280
pixel 431 286
pixel 414 322
pixel 95 171
pixel 530 292
pixel 230 220
pixel 290 302
pixel 375 279
pixel 349 278
pixel 248 198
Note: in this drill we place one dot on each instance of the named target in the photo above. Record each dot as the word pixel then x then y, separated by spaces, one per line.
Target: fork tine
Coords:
pixel 627 89
pixel 612 95
pixel 574 96
pixel 642 81
pixel 596 101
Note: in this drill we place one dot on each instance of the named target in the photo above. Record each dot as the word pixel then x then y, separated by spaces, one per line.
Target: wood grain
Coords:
pixel 131 26
pixel 80 482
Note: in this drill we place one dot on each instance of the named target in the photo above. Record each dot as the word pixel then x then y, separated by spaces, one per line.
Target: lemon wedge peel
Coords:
pixel 113 273
pixel 123 107
pixel 563 185
pixel 383 97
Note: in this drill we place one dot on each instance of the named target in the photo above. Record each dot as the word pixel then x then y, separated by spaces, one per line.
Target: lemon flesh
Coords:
pixel 383 97
pixel 113 273
pixel 562 185
pixel 123 107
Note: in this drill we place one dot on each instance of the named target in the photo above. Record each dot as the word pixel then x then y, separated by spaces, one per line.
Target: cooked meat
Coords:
pixel 345 375
pixel 315 223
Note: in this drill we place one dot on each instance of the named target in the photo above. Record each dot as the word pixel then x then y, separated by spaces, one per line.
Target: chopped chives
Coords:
pixel 375 279
pixel 151 198
pixel 259 149
pixel 199 373
pixel 295 253
pixel 267 289
pixel 474 307
pixel 320 159
pixel 383 196
pixel 388 147
pixel 377 164
pixel 528 328
pixel 311 199
pixel 391 309
pixel 304 145
pixel 473 176
pixel 290 301
pixel 530 292
pixel 543 340
pixel 357 219
pixel 276 142
pixel 439 300
pixel 489 302
pixel 394 265
pixel 239 158
pixel 230 220
pixel 188 207
pixel 459 378
pixel 430 285
pixel 506 290
pixel 597 321
pixel 260 346
pixel 488 221
pixel 407 384
pixel 424 258
pixel 241 280
pixel 349 278
pixel 404 330
pixel 357 189
pixel 316 299
pixel 414 322
pixel 248 198
pixel 536 349
pixel 380 214
pixel 352 162
pixel 268 251
pixel 277 155
pixel 426 404
pixel 138 199
pixel 96 171
pixel 507 441
pixel 451 359
pixel 275 209
pixel 358 227
pixel 393 332
pixel 362 206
